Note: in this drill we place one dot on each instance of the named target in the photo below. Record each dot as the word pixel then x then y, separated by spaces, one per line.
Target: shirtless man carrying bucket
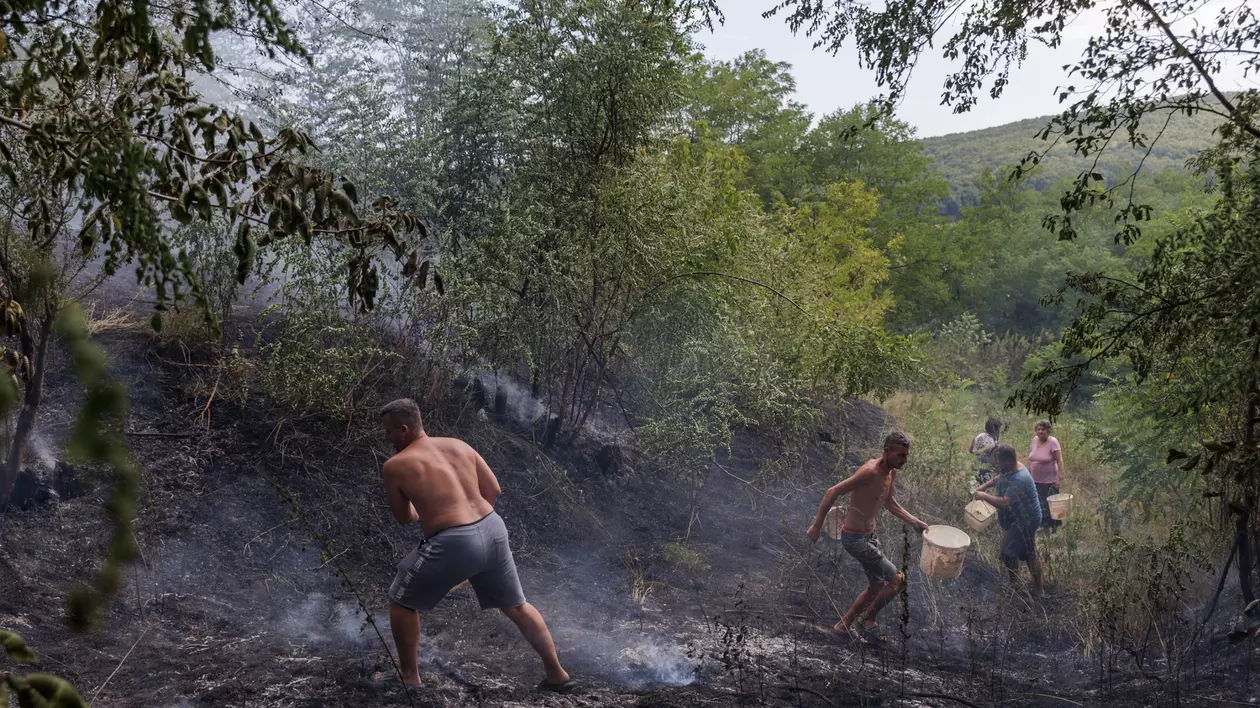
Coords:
pixel 871 488
pixel 446 486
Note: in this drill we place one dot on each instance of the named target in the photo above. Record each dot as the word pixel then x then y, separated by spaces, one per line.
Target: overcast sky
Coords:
pixel 826 82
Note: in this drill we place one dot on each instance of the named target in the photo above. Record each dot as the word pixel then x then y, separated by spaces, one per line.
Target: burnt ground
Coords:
pixel 265 541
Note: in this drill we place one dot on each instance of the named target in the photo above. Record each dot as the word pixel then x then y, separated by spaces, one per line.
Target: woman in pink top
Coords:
pixel 1045 462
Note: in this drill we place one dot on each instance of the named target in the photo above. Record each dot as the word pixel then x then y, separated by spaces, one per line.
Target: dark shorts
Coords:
pixel 476 552
pixel 1044 492
pixel 1019 544
pixel 865 548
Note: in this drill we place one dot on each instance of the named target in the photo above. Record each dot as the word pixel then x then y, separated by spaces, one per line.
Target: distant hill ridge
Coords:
pixel 963 157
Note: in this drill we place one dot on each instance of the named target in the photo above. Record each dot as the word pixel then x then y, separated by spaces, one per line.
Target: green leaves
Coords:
pixel 95 439
pixel 16 648
pixel 43 691
pixel 34 690
pixel 243 249
pixel 147 148
pixel 1192 463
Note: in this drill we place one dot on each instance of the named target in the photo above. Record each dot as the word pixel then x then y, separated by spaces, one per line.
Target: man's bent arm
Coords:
pixel 829 498
pixel 999 502
pixel 487 484
pixel 894 507
pixel 403 510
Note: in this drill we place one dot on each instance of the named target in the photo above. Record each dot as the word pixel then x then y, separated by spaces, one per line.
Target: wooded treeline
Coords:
pixel 568 194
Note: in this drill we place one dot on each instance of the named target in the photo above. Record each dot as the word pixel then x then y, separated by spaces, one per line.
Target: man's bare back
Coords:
pixel 446 486
pixel 444 480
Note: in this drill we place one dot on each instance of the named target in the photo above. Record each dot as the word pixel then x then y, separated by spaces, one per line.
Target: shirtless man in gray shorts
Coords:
pixel 871 488
pixel 446 486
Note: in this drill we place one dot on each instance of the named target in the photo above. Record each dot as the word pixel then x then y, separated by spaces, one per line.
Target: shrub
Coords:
pixel 319 364
pixel 1135 607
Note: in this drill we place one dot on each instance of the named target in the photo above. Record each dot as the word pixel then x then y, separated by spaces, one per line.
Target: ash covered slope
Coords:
pixel 261 536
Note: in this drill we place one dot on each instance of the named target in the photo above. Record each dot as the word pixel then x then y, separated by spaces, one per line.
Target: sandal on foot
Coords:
pixel 567 687
pixel 850 633
pixel 870 636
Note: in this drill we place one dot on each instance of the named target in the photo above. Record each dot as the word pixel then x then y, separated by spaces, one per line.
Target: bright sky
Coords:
pixel 826 82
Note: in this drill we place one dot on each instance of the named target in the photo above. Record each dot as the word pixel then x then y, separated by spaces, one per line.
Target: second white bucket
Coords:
pixel 834 522
pixel 980 515
pixel 944 550
pixel 1060 505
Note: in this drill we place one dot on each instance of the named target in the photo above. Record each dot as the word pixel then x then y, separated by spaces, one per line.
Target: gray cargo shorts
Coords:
pixel 476 552
pixel 865 548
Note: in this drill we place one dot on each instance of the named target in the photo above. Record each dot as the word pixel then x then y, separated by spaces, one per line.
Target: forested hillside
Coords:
pixel 967 159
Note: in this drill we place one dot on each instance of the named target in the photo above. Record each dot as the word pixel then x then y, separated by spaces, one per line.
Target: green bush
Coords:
pixel 321 365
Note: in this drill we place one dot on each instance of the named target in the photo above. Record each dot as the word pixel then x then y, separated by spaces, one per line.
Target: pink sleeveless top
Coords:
pixel 1041 461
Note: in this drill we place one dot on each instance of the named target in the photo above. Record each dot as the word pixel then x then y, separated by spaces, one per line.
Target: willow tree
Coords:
pixel 97 101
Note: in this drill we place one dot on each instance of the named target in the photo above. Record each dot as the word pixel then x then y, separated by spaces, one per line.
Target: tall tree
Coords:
pixel 864 146
pixel 98 102
pixel 746 102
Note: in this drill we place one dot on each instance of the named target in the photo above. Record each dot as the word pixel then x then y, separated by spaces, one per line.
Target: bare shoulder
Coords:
pixel 394 466
pixel 450 444
pixel 454 447
pixel 867 469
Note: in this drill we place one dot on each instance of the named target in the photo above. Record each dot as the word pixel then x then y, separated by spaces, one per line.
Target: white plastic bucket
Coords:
pixel 944 549
pixel 1060 505
pixel 834 522
pixel 980 515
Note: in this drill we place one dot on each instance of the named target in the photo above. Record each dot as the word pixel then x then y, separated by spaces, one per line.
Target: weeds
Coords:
pixel 1136 606
pixel 683 556
pixel 641 585
pixel 319 364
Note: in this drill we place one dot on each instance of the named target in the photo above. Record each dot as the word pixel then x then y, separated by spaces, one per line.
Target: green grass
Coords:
pixel 683 556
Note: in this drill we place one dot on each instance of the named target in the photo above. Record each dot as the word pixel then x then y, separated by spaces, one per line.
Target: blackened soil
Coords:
pixel 267 550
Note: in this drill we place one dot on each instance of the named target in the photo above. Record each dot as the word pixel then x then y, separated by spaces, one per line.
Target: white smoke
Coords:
pixel 521 404
pixel 37 448
pixel 652 663
pixel 318 619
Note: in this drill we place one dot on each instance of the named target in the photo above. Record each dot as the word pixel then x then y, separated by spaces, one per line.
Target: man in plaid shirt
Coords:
pixel 1019 513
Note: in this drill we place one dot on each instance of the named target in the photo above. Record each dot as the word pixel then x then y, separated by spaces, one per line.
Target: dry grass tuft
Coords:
pixel 100 320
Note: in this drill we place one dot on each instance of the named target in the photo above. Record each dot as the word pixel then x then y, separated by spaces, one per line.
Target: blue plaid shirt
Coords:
pixel 1025 507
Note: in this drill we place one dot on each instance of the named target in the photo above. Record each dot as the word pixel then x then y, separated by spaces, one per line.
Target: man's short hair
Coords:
pixel 896 439
pixel 403 411
pixel 1005 452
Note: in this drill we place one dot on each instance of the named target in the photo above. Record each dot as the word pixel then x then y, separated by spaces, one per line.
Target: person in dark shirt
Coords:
pixel 1019 513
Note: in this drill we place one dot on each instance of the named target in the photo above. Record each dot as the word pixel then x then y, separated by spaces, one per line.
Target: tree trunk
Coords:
pixel 30 406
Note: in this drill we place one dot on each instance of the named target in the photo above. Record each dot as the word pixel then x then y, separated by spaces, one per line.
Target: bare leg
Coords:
pixel 859 606
pixel 405 624
pixel 886 593
pixel 534 629
pixel 1012 567
pixel 1034 567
